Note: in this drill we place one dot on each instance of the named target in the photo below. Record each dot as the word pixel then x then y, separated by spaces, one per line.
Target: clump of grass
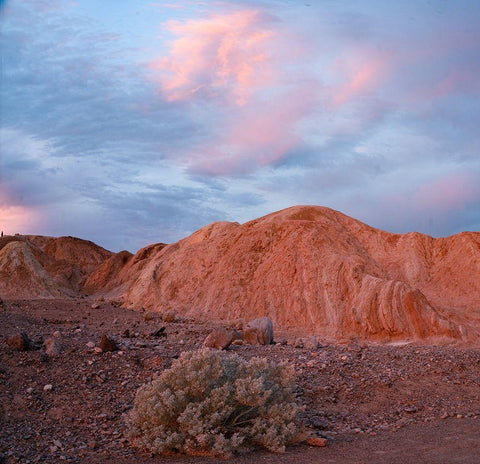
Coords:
pixel 215 403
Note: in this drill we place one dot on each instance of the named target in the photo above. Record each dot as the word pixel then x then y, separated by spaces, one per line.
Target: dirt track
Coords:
pixel 375 404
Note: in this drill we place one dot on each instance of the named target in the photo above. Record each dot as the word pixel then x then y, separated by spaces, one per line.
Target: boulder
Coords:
pixel 219 339
pixel 259 332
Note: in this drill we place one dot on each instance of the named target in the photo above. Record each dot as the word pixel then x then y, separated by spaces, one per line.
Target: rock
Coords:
pixel 53 347
pixel 149 316
pixel 219 339
pixel 95 306
pixel 21 342
pixel 168 317
pixel 259 332
pixel 91 344
pixel 57 334
pixel 317 441
pixel 107 344
pixel 310 343
pixel 48 387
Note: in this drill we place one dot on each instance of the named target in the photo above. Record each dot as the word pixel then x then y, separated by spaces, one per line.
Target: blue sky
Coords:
pixel 129 123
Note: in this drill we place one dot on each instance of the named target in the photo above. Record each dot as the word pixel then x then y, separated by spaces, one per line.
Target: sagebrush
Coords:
pixel 215 403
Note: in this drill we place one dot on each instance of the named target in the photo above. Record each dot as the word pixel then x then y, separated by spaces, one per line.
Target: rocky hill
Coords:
pixel 311 269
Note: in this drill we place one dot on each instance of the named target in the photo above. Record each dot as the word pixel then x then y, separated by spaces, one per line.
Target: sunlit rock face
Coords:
pixel 311 269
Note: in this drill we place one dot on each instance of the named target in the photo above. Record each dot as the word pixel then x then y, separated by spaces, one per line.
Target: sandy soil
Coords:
pixel 374 403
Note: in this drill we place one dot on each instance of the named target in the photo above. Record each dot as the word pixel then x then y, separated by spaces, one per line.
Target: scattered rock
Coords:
pixel 317 441
pixel 259 332
pixel 107 344
pixel 48 387
pixel 95 306
pixel 53 347
pixel 219 339
pixel 21 342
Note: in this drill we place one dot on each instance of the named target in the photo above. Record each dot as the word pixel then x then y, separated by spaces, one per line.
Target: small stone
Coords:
pixel 29 390
pixel 459 416
pixel 53 449
pixel 168 317
pixel 95 306
pixel 148 316
pixel 317 441
pixel 310 343
pixel 77 331
pixel 48 387
pixel 91 344
pixel 57 443
pixel 57 334
pixel 98 350
pixel 53 347
pixel 108 344
pixel 410 409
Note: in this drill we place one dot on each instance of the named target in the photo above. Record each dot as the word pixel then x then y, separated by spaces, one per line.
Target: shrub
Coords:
pixel 215 403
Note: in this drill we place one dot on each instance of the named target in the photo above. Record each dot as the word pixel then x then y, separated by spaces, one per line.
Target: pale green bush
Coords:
pixel 215 403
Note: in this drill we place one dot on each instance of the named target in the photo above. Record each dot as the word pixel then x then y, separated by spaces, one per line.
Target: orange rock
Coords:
pixel 317 441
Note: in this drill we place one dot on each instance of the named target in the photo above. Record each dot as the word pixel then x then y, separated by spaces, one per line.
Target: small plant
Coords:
pixel 215 403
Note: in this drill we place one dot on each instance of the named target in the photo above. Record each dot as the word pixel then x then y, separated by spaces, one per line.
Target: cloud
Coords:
pixel 222 56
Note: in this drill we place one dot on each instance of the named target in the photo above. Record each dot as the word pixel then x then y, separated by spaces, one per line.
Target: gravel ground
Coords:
pixel 374 403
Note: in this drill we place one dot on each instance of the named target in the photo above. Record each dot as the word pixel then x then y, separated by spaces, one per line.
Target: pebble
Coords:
pixel 48 387
pixel 91 344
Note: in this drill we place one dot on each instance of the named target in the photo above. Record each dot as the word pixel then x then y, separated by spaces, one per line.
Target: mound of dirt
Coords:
pixel 315 270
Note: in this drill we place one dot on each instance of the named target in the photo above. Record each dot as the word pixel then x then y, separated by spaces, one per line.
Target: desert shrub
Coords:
pixel 215 403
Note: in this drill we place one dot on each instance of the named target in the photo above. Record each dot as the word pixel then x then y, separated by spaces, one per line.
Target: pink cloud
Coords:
pixel 249 67
pixel 224 54
pixel 357 76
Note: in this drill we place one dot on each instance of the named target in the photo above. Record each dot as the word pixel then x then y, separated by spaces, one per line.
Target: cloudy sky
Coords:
pixel 129 123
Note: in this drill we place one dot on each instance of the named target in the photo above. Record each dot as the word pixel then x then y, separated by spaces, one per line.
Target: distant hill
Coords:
pixel 309 268
pixel 33 266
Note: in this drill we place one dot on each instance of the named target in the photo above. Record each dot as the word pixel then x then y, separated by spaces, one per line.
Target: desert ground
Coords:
pixel 373 402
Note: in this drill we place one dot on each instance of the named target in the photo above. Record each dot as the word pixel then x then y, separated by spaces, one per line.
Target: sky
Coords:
pixel 131 123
